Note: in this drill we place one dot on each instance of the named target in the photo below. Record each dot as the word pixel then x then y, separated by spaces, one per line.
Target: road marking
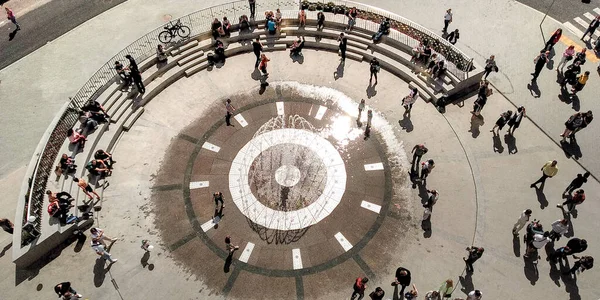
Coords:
pixel 198 184
pixel 296 259
pixel 590 55
pixel 210 224
pixel 597 10
pixel 241 120
pixel 343 241
pixel 321 112
pixel 374 167
pixel 573 29
pixel 211 147
pixel 371 206
pixel 279 108
pixel 581 22
pixel 246 253
pixel 589 16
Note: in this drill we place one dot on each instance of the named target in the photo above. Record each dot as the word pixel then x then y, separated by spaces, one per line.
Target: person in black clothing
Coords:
pixel 135 74
pixel 504 118
pixel 587 119
pixel 580 57
pixel 576 245
pixel 320 20
pixel 592 28
pixel 64 289
pixel 585 263
pixel 133 67
pixel 123 73
pixel 402 278
pixel 67 164
pixel 418 151
pixel 216 27
pixel 475 253
pixel 540 62
pixel 297 47
pixel 453 36
pixel 252 4
pixel 343 45
pixel 96 108
pixel 105 157
pixel 218 196
pixel 374 68
pixel 257 48
pixel 377 294
pixel 426 53
pixel 571 73
pixel 577 183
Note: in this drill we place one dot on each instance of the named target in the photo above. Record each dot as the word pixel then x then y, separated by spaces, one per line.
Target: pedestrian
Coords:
pixel 573 201
pixel 433 295
pixel 229 246
pixel 367 132
pixel 474 295
pixel 7 225
pixel 567 56
pixel 539 241
pixel 360 285
pixel 576 245
pixel 591 28
pixel 523 219
pixel 481 100
pixel 361 107
pixel 431 200
pixel 402 278
pixel 252 4
pixel 351 14
pixel 11 16
pixel 504 117
pixel 229 109
pixel 475 253
pixel 64 289
pixel 588 117
pixel 554 38
pixel 377 294
pixel 263 64
pixel 320 20
pixel 369 117
pixel 580 57
pixel 490 65
pixel 559 228
pixel 418 151
pixel 412 294
pixel 581 81
pixel 549 170
pixel 515 120
pixel 446 289
pixel 146 246
pixel 343 43
pixel 409 100
pixel 426 168
pixel 540 61
pixel 257 48
pixel 302 18
pixel 87 189
pixel 576 183
pixel 584 263
pixel 161 55
pixel 137 80
pixel 447 19
pixel 453 36
pixel 218 197
pixel 572 124
pixel 101 250
pixel 570 75
pixel 99 236
pixel 272 26
pixel 374 67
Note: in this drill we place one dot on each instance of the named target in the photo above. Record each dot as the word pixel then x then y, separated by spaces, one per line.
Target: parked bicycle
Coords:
pixel 176 29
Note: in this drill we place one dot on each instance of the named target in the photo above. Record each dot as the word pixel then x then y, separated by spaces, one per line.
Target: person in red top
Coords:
pixel 11 16
pixel 553 39
pixel 576 199
pixel 359 288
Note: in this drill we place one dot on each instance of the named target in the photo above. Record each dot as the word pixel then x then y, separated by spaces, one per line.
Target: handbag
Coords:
pixel 569 57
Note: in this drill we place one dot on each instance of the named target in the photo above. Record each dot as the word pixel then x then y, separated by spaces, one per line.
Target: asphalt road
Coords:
pixel 46 23
pixel 562 10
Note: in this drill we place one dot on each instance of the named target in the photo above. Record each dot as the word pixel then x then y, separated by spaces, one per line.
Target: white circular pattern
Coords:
pixel 287 220
pixel 287 175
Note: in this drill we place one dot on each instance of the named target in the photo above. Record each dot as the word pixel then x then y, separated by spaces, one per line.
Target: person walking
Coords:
pixel 539 241
pixel 229 109
pixel 591 28
pixel 567 56
pixel 522 221
pixel 252 4
pixel 361 107
pixel 409 100
pixel 515 120
pixel 64 289
pixel 218 197
pixel 446 289
pixel 101 250
pixel 11 16
pixel 559 228
pixel 360 285
pixel 135 74
pixel 263 64
pixel 431 200
pixel 351 14
pixel 377 294
pixel 374 67
pixel 570 75
pixel 549 170
pixel 490 65
pixel 576 183
pixel 433 295
pixel 447 19
pixel 580 57
pixel 504 118
pixel 581 81
pixel 320 20
pixel 369 118
pixel 584 263
pixel 540 61
pixel 257 48
pixel 554 38
pixel 7 225
pixel 229 246
pixel 453 36
pixel 402 278
pixel 343 44
pixel 574 122
pixel 474 295
pixel 87 189
pixel 98 235
pixel 418 151
pixel 426 168
pixel 573 201
pixel 588 117
pixel 475 253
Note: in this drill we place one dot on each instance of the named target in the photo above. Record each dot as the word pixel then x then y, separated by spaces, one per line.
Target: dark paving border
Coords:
pixel 299 288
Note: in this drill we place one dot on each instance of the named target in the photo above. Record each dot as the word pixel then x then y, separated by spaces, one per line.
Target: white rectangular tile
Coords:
pixel 246 253
pixel 371 206
pixel 597 10
pixel 241 120
pixel 343 241
pixel 581 22
pixel 320 112
pixel 296 259
pixel 374 167
pixel 208 225
pixel 573 29
pixel 589 16
pixel 198 184
pixel 280 110
pixel 211 147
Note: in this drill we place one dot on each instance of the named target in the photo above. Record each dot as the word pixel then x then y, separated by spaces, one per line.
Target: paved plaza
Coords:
pixel 311 201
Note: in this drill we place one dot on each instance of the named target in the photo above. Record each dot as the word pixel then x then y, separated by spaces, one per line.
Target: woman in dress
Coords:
pixel 409 100
pixel 572 124
pixel 504 117
pixel 515 120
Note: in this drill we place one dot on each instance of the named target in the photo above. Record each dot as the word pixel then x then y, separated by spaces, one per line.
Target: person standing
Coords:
pixel 252 4
pixel 447 19
pixel 374 67
pixel 360 285
pixel 229 109
pixel 504 118
pixel 453 36
pixel 474 295
pixel 573 201
pixel 7 225
pixel 426 168
pixel 580 56
pixel 587 119
pixel 101 250
pixel 584 263
pixel 523 219
pixel 567 56
pixel 576 183
pixel 433 295
pixel 418 151
pixel 98 235
pixel 490 65
pixel 475 253
pixel 539 241
pixel 431 200
pixel 402 278
pixel 540 62
pixel 581 81
pixel 515 120
pixel 352 14
pixel 409 100
pixel 554 38
pixel 87 189
pixel 229 246
pixel 218 197
pixel 11 16
pixel 549 170
pixel 591 28
pixel 263 64
pixel 369 117
pixel 320 20
pixel 361 107
pixel 574 122
pixel 559 228
pixel 446 289
pixel 343 44
pixel 64 289
pixel 257 48
pixel 377 294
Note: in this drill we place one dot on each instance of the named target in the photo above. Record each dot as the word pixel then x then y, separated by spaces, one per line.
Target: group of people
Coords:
pixel 434 64
pixel 131 74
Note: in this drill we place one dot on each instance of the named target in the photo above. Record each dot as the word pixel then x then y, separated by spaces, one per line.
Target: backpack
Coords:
pixel 89 166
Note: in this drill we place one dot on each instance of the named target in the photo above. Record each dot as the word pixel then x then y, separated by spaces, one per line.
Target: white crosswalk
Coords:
pixel 579 25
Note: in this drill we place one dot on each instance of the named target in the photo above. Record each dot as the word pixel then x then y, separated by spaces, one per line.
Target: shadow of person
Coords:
pixel 571 149
pixel 371 91
pixel 80 242
pixel 530 269
pixel 497 143
pixel 516 245
pixel 426 226
pixel 570 230
pixel 534 89
pixel 560 76
pixel 256 75
pixel 144 261
pixel 511 143
pixel 5 249
pixel 406 123
pixel 228 261
pixel 476 122
pixel 12 35
pixel 554 273
pixel 550 64
pixel 541 197
pixel 100 271
pixel 570 282
pixel 414 176
pixel 339 72
pixel 299 58
pixel 466 283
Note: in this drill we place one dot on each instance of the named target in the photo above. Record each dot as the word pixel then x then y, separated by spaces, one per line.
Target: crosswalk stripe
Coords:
pixel 573 29
pixel 581 22
pixel 597 10
pixel 245 256
pixel 589 16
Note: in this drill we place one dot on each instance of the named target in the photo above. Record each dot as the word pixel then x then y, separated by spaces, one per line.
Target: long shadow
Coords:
pixel 299 58
pixel 475 124
pixel 497 143
pixel 371 91
pixel 5 249
pixel 466 283
pixel 426 226
pixel 339 72
pixel 511 143
pixel 541 197
pixel 534 89
pixel 569 98
pixel 406 123
pixel 100 271
pixel 12 35
pixel 570 282
pixel 516 245
pixel 554 273
pixel 559 77
pixel 228 261
pixel 530 269
pixel 571 149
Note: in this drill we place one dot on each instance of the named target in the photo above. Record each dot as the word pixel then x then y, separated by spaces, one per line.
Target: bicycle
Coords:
pixel 171 31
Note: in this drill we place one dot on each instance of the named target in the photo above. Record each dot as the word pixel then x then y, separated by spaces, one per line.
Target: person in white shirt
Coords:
pixel 559 228
pixel 525 215
pixel 99 236
pixel 447 19
pixel 426 169
pixel 539 241
pixel 475 295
